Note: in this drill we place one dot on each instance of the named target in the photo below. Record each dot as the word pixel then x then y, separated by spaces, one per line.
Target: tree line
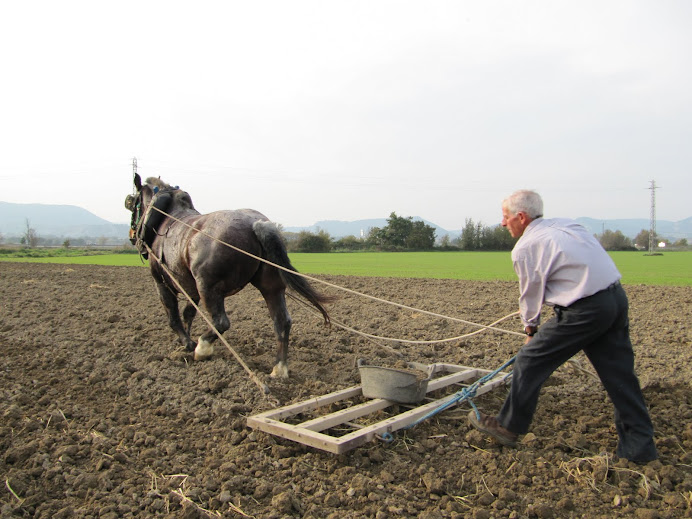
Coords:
pixel 30 239
pixel 615 240
pixel 400 234
pixel 405 234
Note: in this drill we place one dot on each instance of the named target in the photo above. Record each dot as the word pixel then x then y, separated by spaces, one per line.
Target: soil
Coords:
pixel 103 415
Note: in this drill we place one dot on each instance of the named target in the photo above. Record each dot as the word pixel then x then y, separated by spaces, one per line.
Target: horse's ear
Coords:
pixel 138 182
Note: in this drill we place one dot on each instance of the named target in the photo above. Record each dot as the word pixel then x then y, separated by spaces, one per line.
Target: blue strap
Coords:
pixel 466 393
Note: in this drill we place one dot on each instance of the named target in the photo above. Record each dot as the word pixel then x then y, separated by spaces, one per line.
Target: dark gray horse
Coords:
pixel 207 269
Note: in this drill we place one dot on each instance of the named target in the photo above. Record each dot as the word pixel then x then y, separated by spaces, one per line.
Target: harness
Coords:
pixel 146 221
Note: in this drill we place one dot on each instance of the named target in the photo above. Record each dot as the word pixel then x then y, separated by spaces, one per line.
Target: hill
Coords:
pixel 629 227
pixel 68 221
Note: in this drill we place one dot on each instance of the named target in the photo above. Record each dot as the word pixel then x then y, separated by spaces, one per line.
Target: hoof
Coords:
pixel 204 350
pixel 280 371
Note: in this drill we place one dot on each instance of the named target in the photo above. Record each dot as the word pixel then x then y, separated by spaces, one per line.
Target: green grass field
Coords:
pixel 440 265
pixel 114 260
pixel 672 268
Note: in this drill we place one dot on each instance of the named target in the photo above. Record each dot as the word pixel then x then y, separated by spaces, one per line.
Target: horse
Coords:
pixel 192 247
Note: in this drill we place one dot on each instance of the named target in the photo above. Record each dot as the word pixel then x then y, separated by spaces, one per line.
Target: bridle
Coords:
pixel 135 205
pixel 147 217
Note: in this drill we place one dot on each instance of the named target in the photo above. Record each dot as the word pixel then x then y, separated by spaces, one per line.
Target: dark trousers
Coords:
pixel 599 325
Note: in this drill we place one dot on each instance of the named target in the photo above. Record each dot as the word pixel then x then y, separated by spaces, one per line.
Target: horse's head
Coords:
pixel 137 204
pixel 165 198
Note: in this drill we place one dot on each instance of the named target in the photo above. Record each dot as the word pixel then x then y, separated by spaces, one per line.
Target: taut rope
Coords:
pixel 406 341
pixel 456 319
pixel 466 394
pixel 264 388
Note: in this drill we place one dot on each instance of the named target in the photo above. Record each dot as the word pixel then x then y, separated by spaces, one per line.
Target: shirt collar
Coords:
pixel 533 225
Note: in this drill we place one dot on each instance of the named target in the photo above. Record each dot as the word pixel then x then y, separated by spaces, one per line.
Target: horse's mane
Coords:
pixel 180 197
pixel 157 182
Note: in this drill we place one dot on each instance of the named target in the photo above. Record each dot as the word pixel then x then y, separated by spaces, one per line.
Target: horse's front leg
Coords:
pixel 205 346
pixel 276 303
pixel 188 316
pixel 170 303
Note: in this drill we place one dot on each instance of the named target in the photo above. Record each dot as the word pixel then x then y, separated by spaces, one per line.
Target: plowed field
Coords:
pixel 103 415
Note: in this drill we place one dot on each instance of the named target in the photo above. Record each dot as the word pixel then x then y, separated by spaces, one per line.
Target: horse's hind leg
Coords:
pixel 276 303
pixel 215 306
pixel 170 303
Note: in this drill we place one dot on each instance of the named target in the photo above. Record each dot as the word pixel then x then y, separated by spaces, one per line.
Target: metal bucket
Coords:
pixel 397 385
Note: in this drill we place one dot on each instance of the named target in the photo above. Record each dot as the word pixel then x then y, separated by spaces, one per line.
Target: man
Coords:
pixel 560 264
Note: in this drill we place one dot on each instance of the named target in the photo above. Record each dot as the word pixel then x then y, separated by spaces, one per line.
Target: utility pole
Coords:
pixel 652 219
pixel 134 166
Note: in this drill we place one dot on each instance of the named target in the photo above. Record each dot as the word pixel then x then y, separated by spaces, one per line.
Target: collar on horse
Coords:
pixel 147 220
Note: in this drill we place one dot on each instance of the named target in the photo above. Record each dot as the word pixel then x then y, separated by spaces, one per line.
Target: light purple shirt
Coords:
pixel 558 262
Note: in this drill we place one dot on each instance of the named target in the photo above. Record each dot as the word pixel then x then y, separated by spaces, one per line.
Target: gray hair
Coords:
pixel 524 201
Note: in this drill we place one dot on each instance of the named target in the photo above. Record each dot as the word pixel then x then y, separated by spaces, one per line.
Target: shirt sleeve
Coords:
pixel 531 290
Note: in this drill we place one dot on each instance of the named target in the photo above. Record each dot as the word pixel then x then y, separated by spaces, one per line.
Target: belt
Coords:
pixel 609 288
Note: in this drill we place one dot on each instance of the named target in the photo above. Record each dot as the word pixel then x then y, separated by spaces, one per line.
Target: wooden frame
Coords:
pixel 312 432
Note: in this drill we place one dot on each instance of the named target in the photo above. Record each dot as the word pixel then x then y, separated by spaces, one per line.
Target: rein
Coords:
pixel 361 294
pixel 264 388
pixel 142 215
pixel 144 226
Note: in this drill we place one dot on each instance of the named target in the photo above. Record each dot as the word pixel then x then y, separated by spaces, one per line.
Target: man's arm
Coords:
pixel 531 290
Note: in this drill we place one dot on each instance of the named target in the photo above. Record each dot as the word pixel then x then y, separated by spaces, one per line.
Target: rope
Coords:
pixel 395 339
pixel 339 324
pixel 264 388
pixel 482 326
pixel 466 393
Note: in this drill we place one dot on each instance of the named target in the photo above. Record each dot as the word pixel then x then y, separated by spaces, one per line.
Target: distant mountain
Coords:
pixel 70 221
pixel 629 227
pixel 67 221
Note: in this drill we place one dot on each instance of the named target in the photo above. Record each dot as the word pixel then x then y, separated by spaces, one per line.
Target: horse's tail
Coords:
pixel 269 236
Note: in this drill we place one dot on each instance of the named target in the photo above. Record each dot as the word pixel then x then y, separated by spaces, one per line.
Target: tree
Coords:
pixel 421 236
pixel 311 242
pixel 30 238
pixel 682 242
pixel 402 233
pixel 446 243
pixel 496 238
pixel 398 230
pixel 615 240
pixel 376 237
pixel 469 238
pixel 476 236
pixel 291 240
pixel 349 243
pixel 66 243
pixel 642 239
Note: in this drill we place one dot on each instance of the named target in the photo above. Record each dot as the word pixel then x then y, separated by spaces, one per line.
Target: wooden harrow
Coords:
pixel 314 423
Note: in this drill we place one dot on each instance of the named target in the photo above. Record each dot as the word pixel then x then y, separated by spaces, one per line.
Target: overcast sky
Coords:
pixel 345 110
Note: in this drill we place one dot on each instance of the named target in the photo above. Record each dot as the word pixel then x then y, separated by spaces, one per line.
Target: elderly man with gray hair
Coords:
pixel 559 263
